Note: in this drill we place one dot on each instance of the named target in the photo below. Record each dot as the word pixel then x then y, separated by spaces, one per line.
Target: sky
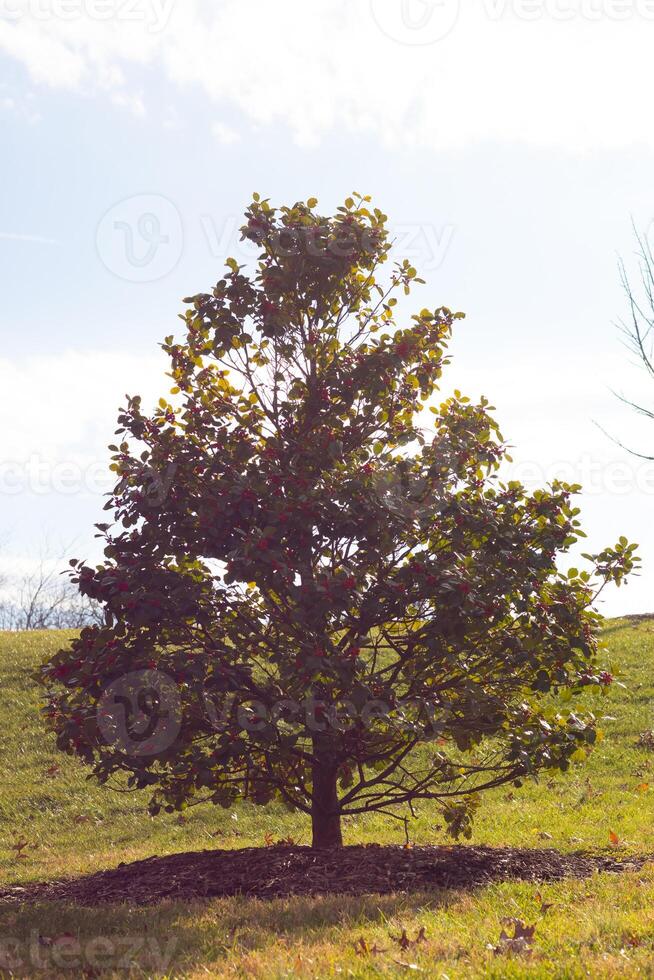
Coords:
pixel 507 140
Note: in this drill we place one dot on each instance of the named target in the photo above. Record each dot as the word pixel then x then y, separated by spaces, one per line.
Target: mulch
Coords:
pixel 281 871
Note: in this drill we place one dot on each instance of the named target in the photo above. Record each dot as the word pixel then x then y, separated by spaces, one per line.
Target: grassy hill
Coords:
pixel 54 822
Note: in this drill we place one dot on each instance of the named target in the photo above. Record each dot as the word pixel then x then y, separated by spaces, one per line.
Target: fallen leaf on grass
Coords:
pixel 404 942
pixel 269 841
pixel 544 906
pixel 646 740
pixel 20 845
pixel 519 943
pixel 361 948
pixel 589 790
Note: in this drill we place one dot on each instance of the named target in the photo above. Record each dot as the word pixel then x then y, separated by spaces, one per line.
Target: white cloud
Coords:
pixel 134 103
pixel 46 58
pixel 563 73
pixel 224 134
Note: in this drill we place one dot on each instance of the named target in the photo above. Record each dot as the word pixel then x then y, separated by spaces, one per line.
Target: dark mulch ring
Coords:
pixel 282 871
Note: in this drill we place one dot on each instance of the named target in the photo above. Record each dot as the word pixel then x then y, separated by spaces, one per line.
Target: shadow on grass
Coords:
pixel 173 938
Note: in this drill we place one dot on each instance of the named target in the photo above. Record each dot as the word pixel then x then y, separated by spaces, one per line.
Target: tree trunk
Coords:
pixel 325 815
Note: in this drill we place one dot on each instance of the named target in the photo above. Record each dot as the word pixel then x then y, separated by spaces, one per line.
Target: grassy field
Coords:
pixel 54 823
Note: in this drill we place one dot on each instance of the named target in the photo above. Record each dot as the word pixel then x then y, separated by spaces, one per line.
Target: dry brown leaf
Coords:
pixel 544 906
pixel 404 942
pixel 361 948
pixel 646 740
pixel 519 943
pixel 19 846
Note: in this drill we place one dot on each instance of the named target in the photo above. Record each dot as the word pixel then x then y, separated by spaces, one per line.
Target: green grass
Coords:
pixel 603 926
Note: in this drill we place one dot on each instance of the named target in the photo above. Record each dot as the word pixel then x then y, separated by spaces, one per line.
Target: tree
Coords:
pixel 308 598
pixel 43 600
pixel 638 327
